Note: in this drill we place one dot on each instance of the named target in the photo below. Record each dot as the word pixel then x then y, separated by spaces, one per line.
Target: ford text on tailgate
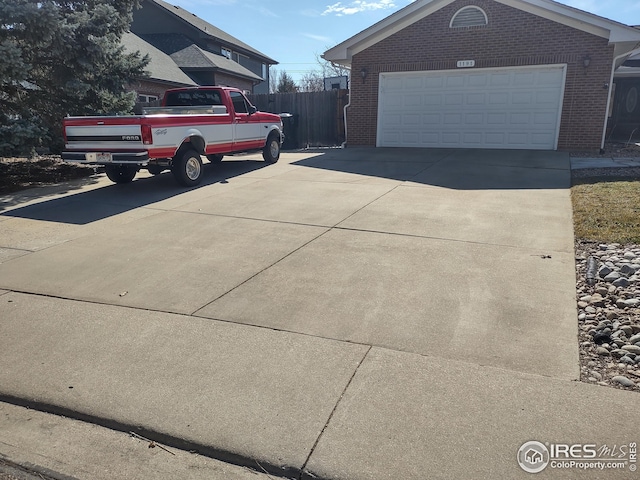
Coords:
pixel 190 124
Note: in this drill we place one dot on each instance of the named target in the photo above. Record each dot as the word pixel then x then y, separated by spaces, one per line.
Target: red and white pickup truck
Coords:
pixel 209 121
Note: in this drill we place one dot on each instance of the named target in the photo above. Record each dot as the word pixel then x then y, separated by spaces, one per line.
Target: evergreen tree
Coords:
pixel 61 57
pixel 286 84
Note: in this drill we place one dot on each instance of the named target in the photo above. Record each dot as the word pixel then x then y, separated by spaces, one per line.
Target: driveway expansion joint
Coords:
pixel 335 407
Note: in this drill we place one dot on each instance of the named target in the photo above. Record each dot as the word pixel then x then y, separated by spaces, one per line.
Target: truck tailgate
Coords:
pixel 96 137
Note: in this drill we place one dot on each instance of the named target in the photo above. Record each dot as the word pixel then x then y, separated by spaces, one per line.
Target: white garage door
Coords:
pixel 516 108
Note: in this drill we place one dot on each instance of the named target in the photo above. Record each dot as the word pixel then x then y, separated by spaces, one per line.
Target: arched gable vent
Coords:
pixel 471 16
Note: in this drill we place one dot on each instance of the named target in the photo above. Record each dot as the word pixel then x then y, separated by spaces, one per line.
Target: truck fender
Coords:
pixel 276 129
pixel 194 140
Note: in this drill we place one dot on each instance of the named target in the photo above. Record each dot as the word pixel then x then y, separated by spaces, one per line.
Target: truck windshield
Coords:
pixel 193 98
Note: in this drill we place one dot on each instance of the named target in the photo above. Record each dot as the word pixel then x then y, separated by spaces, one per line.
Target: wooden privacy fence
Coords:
pixel 317 117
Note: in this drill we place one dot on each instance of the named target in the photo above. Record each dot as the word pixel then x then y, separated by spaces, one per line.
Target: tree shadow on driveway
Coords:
pixel 90 206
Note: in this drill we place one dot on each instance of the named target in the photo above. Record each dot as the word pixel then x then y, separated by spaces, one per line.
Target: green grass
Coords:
pixel 607 209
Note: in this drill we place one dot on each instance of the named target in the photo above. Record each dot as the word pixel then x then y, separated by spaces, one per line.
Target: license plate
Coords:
pixel 102 157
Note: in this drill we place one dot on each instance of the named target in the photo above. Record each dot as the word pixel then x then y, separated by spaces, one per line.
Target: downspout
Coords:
pixel 606 113
pixel 344 144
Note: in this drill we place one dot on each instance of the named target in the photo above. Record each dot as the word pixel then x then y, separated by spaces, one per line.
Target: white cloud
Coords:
pixel 319 38
pixel 267 13
pixel 358 6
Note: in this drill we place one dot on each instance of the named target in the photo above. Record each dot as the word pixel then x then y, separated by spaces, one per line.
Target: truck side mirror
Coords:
pixel 252 109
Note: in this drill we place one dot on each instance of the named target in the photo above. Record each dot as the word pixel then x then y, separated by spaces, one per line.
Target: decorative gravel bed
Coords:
pixel 608 299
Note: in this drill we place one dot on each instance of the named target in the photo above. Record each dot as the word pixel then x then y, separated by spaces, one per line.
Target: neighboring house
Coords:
pixel 520 74
pixel 205 53
pixel 163 72
pixel 624 123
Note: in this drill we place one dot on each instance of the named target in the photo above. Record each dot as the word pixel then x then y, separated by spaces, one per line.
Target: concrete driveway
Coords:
pixel 334 313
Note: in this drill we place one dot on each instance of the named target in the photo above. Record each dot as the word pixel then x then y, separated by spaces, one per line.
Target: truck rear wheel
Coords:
pixel 271 151
pixel 121 173
pixel 155 169
pixel 187 168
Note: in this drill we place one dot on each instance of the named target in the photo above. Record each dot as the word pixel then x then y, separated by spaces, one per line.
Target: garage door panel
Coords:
pixel 523 98
pixel 453 81
pixel 430 139
pixel 500 79
pixel 547 98
pixel 452 119
pixel 414 83
pixel 451 138
pixel 472 138
pixel 550 77
pixel 454 99
pixel 434 82
pixel 496 118
pixel 478 80
pixel 392 120
pixel 411 120
pixel 541 138
pixel 518 138
pixel 476 99
pixel 433 99
pixel 516 107
pixel 411 139
pixel 524 79
pixel 474 119
pixel 431 119
pixel 498 99
pixel 520 118
pixel 543 118
pixel 495 138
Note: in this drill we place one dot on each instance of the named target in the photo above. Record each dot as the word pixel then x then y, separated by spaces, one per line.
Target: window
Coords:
pixel 193 97
pixel 239 103
pixel 226 52
pixel 238 57
pixel 469 17
pixel 147 98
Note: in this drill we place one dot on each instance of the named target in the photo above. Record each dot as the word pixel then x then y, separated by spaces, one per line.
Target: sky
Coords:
pixel 296 32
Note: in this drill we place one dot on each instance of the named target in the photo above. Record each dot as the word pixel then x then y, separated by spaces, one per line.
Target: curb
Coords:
pixel 155 436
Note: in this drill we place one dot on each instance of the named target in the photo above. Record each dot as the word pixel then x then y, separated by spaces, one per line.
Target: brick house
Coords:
pixel 163 71
pixel 519 74
pixel 206 55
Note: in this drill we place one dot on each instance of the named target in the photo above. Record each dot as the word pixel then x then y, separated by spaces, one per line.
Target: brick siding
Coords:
pixel 230 81
pixel 512 38
pixel 145 87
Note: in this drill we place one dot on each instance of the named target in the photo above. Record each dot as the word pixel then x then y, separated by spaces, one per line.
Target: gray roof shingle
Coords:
pixel 161 66
pixel 211 30
pixel 188 55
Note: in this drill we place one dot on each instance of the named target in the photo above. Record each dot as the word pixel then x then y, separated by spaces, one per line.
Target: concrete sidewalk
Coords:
pixel 578 163
pixel 357 314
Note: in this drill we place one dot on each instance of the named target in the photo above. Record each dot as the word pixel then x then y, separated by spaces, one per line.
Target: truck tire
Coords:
pixel 215 158
pixel 271 150
pixel 187 168
pixel 155 169
pixel 121 173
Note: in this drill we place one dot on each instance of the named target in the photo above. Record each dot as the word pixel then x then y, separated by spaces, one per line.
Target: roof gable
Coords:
pixel 189 56
pixel 161 66
pixel 210 30
pixel 624 37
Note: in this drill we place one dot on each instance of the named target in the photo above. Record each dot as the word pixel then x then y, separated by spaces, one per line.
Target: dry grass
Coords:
pixel 607 209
